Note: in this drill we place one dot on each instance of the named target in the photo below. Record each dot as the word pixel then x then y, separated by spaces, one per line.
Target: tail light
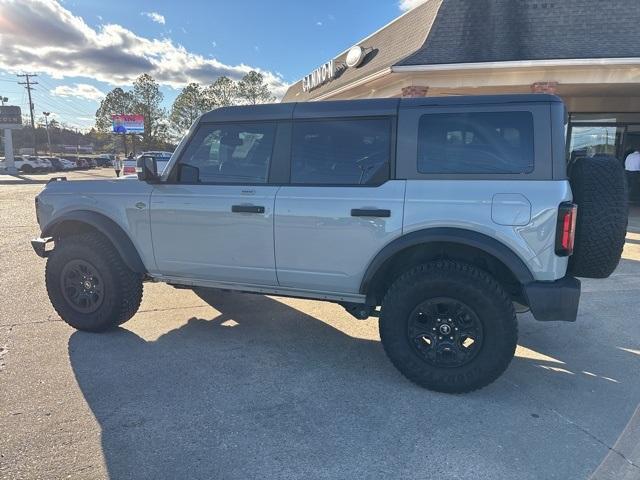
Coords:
pixel 566 229
pixel 127 170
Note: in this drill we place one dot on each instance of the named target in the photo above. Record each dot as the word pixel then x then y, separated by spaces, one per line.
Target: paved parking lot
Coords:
pixel 202 385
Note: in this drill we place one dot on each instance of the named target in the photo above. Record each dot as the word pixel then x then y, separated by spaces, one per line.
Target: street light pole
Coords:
pixel 46 122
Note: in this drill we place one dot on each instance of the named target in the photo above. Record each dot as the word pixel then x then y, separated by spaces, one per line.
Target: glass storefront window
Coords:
pixel 631 117
pixel 590 141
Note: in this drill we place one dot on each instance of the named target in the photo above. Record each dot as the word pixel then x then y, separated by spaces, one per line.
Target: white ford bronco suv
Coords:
pixel 442 216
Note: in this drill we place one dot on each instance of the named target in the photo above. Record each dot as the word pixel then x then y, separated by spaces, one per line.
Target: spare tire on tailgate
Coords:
pixel 600 190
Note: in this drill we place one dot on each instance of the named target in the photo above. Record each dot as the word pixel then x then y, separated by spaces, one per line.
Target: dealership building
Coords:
pixel 585 51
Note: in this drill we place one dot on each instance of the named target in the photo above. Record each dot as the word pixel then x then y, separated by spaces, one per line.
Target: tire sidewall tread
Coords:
pixel 470 285
pixel 123 288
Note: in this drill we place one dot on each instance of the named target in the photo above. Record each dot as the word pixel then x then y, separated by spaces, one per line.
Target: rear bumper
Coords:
pixel 554 301
pixel 40 246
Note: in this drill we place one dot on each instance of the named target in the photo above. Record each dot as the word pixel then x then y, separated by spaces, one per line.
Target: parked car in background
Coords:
pixel 29 164
pixel 68 164
pixel 162 159
pixel 105 160
pixel 60 164
pixel 45 164
pixel 81 163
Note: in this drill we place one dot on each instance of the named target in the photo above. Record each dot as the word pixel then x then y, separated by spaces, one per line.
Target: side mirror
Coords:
pixel 147 169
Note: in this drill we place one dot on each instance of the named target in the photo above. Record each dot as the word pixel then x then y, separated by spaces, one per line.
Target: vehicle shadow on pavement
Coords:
pixel 265 390
pixel 19 179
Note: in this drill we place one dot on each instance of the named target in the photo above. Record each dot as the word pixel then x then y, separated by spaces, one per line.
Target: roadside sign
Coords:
pixel 10 117
pixel 127 123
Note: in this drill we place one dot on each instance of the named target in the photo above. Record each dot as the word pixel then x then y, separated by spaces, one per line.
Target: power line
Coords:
pixel 63 109
pixel 57 104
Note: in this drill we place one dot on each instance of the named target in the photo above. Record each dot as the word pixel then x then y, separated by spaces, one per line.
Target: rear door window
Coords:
pixel 476 143
pixel 341 151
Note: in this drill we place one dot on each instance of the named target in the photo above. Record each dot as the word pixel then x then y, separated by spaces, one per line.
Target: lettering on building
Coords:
pixel 319 76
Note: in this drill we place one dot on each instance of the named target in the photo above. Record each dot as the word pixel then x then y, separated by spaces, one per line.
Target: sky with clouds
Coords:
pixel 82 49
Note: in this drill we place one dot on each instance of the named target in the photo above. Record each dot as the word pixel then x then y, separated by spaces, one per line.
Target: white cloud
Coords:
pixel 409 4
pixel 80 90
pixel 319 24
pixel 155 17
pixel 43 36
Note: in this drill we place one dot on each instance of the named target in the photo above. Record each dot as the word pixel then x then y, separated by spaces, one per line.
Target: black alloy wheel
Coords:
pixel 445 332
pixel 82 286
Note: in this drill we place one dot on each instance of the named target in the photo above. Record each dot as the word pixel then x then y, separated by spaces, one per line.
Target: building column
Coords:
pixel 414 91
pixel 545 87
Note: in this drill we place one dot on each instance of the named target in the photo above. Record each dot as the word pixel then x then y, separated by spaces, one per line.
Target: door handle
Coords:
pixel 373 212
pixel 247 209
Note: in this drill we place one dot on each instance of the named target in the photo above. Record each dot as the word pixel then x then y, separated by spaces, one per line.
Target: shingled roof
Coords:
pixel 477 31
pixel 471 31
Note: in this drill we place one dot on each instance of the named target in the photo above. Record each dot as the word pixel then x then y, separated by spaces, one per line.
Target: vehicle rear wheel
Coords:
pixel 89 285
pixel 26 168
pixel 600 190
pixel 448 326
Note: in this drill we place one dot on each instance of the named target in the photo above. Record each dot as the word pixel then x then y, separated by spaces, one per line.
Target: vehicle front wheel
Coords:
pixel 448 326
pixel 27 168
pixel 89 285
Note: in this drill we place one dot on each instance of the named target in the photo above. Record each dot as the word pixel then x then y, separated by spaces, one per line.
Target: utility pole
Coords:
pixel 29 86
pixel 46 122
pixel 2 100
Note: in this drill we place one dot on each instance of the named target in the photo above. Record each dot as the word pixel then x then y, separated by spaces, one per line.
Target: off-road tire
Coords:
pixel 600 190
pixel 122 287
pixel 470 285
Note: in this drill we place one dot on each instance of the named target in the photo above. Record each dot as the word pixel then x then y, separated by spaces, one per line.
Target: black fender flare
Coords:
pixel 109 228
pixel 452 235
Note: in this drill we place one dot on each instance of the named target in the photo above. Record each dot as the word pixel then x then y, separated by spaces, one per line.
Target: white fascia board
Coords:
pixel 578 62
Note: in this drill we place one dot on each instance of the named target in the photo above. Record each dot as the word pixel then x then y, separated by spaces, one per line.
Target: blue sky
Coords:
pixel 82 49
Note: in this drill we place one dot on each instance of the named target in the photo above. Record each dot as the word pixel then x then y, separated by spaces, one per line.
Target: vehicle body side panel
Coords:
pixel 196 233
pixel 125 201
pixel 468 204
pixel 320 246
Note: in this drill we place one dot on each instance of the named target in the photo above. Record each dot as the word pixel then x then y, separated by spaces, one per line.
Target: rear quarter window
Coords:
pixel 476 143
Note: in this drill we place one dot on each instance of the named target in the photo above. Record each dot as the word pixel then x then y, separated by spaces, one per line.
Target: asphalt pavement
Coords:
pixel 231 386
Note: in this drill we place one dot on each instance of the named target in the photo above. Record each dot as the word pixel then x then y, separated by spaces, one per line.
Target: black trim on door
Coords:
pixel 370 212
pixel 247 209
pixel 281 158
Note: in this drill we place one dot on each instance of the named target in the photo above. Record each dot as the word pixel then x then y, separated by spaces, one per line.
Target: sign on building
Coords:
pixel 10 117
pixel 319 76
pixel 128 123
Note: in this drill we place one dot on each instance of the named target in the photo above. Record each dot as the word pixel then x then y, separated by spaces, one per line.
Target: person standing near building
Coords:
pixel 632 163
pixel 117 165
pixel 632 166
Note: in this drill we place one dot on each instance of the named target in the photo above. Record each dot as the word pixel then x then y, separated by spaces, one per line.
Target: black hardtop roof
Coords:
pixel 358 108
